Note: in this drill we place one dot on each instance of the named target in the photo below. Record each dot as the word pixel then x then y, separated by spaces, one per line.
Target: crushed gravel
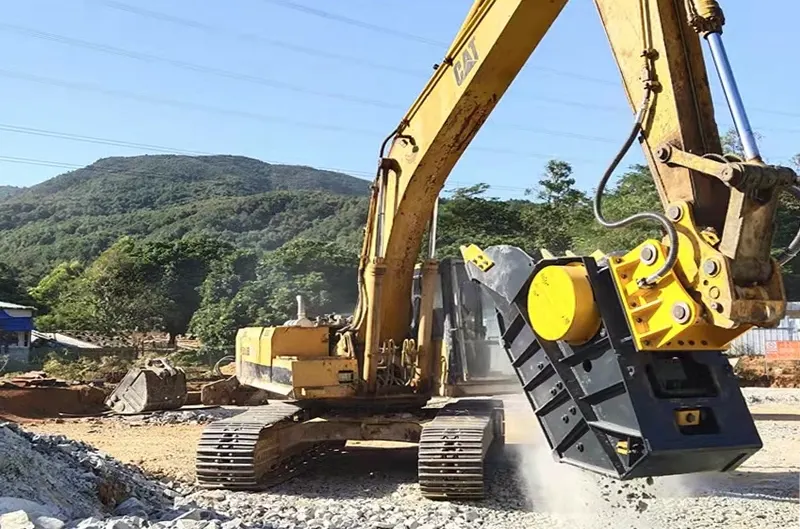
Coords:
pixel 70 478
pixel 780 396
pixel 375 488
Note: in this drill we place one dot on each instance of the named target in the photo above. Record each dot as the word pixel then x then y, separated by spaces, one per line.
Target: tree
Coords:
pixel 177 270
pixel 562 209
pixel 324 273
pixel 732 143
pixel 221 310
pixel 58 298
pixel 118 291
pixel 239 292
pixel 468 217
pixel 12 289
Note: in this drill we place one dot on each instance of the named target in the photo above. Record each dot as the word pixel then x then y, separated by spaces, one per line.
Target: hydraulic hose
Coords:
pixel 672 254
pixel 218 365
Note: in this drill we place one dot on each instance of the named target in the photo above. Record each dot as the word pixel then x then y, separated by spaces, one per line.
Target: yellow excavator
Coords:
pixel 620 355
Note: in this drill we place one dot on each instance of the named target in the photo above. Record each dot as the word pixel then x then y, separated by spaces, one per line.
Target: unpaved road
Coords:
pixel 164 451
pixel 533 492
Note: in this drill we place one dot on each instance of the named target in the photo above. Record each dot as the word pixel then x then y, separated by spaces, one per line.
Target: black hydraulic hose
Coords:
pixel 793 249
pixel 218 365
pixel 672 254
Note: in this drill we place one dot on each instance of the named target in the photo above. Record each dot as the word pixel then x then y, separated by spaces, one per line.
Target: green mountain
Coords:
pixel 79 214
pixel 7 191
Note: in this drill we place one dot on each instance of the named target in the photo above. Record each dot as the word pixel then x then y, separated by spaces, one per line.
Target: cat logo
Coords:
pixel 467 61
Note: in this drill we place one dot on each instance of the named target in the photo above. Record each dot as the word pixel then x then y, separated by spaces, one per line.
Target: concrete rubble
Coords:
pixel 183 416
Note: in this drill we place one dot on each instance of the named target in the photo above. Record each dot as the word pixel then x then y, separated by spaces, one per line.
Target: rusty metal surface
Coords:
pixel 33 379
pixel 158 386
pixel 230 391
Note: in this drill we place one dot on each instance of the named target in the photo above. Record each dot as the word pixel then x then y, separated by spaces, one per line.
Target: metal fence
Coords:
pixel 757 341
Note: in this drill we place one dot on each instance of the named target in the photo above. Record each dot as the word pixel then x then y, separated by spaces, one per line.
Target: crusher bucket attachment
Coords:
pixel 605 406
pixel 157 386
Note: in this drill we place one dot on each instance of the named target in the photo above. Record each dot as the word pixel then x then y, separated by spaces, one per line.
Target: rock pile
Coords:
pixel 69 479
pixel 202 416
pixel 50 482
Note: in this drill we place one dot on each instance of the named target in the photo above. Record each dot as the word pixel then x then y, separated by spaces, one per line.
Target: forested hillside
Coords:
pixel 7 191
pixel 239 200
pixel 209 244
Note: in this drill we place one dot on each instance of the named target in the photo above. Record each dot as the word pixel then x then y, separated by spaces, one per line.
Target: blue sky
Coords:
pixel 311 88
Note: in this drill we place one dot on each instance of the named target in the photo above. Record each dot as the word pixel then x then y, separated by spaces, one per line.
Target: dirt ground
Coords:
pixel 28 403
pixel 163 451
pixel 167 451
pixel 753 371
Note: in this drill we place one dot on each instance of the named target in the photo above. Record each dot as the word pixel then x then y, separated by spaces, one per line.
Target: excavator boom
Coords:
pixel 657 46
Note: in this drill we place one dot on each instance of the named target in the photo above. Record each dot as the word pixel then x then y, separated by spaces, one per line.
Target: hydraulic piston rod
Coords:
pixel 733 97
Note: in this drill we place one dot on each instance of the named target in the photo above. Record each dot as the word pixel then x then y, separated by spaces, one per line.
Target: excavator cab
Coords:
pixel 466 334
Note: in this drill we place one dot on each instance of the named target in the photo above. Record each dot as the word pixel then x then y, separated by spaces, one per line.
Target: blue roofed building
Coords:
pixel 16 325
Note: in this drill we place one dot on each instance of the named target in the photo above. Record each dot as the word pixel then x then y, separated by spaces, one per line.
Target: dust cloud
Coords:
pixel 582 499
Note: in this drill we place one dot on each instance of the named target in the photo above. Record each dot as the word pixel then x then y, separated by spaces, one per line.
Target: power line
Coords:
pixel 146 57
pixel 123 94
pixel 150 58
pixel 72 166
pixel 260 117
pixel 348 59
pixel 383 30
pixel 279 84
pixel 108 141
pixel 253 37
pixel 408 36
pixel 90 139
pixel 32 161
pixel 175 103
pixel 268 118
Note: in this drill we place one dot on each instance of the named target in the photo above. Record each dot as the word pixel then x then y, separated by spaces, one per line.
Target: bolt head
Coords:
pixel 674 213
pixel 648 254
pixel 681 312
pixel 711 267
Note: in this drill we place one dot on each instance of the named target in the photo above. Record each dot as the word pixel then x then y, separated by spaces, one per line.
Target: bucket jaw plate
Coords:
pixel 605 406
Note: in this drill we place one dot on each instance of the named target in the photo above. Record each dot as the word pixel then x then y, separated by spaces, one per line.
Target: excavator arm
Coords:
pixel 619 355
pixel 727 205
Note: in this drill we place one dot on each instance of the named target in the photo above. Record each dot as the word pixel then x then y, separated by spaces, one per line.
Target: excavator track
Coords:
pixel 454 447
pixel 240 452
